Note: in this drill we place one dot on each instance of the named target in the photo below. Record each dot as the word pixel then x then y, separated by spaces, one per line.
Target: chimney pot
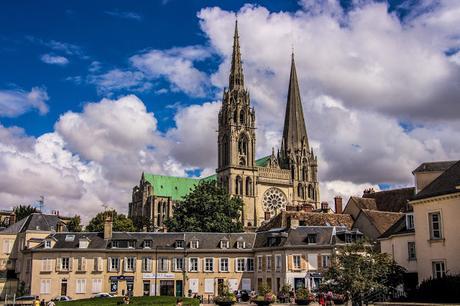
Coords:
pixel 108 223
pixel 338 205
pixel 324 205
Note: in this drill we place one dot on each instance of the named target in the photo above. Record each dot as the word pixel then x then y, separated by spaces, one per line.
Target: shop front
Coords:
pixel 122 284
pixel 164 284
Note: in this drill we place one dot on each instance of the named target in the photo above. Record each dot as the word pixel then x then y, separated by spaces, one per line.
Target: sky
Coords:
pixel 94 93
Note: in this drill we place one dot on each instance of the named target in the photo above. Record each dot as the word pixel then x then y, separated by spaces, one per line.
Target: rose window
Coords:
pixel 274 200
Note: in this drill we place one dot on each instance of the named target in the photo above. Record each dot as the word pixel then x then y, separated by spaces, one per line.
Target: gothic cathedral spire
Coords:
pixel 236 79
pixel 294 132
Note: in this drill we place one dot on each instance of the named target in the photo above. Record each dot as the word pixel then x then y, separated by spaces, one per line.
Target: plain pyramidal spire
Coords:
pixel 236 72
pixel 294 131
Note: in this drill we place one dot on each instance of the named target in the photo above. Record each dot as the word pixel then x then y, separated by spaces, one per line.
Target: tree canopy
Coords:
pixel 23 211
pixel 359 270
pixel 74 224
pixel 208 208
pixel 120 223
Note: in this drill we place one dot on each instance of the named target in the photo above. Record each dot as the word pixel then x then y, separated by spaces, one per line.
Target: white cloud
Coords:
pixel 124 15
pixel 116 79
pixel 17 102
pixel 176 65
pixel 54 59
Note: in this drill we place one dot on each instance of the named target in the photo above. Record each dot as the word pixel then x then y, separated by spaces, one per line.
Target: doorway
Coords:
pixel 299 283
pixel 64 287
pixel 146 288
pixel 167 287
pixel 179 289
pixel 220 286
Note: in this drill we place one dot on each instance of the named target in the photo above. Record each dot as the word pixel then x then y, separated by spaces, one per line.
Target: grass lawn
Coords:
pixel 140 300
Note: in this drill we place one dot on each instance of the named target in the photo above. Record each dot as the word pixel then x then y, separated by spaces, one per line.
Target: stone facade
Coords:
pixel 267 186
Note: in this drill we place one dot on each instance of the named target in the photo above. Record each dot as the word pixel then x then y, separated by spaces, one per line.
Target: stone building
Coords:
pixel 267 186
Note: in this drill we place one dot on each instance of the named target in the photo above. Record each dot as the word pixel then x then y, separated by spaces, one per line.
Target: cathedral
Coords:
pixel 284 180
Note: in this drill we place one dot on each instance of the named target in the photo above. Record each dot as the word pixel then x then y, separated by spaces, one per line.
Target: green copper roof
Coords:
pixel 178 187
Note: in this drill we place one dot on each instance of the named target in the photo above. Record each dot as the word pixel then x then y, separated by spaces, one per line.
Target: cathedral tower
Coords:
pixel 296 154
pixel 236 169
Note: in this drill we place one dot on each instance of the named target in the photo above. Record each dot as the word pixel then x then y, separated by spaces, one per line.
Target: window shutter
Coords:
pixel 290 260
pixel 320 262
pixel 109 262
pixel 58 264
pixel 264 264
pixel 134 264
pixel 125 261
pixel 83 264
pixel 70 263
pixel 303 262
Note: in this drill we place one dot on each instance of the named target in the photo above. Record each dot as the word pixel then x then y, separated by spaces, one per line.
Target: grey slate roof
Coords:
pixel 35 222
pixel 446 183
pixel 395 200
pixel 434 166
pixel 399 227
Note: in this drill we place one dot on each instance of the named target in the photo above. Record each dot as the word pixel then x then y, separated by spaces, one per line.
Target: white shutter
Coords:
pixel 125 261
pixel 134 263
pixel 209 285
pixel 70 263
pixel 83 264
pixel 193 285
pixel 97 286
pixel 58 264
pixel 100 264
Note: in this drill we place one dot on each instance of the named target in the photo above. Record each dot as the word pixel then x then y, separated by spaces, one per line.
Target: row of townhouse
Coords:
pixel 425 239
pixel 178 264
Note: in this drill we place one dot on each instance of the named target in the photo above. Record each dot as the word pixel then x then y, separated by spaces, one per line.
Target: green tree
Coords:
pixel 23 211
pixel 120 223
pixel 359 270
pixel 208 208
pixel 143 223
pixel 74 224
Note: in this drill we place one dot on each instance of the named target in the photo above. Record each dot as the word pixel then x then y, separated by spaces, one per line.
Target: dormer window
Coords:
pixel 83 243
pixel 147 244
pixel 115 244
pixel 224 244
pixel 131 244
pixel 240 244
pixel 410 221
pixel 179 244
pixel 311 238
pixel 47 244
pixel 194 244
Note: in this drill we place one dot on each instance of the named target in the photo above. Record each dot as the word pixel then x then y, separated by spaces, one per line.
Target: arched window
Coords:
pixel 311 192
pixel 242 117
pixel 304 174
pixel 243 145
pixel 249 186
pixel 292 172
pixel 242 161
pixel 235 117
pixel 300 191
pixel 239 185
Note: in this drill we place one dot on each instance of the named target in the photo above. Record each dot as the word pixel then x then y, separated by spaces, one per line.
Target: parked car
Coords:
pixel 62 298
pixel 26 298
pixel 103 295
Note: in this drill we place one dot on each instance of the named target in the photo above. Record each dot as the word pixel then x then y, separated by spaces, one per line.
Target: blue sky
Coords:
pixel 94 93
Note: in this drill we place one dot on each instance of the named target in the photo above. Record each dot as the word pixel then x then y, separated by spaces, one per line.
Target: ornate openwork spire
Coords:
pixel 236 72
pixel 294 132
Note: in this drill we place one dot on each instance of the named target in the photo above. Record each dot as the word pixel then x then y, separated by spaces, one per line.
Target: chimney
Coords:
pixel 294 222
pixel 338 205
pixel 324 206
pixel 108 222
pixel 12 218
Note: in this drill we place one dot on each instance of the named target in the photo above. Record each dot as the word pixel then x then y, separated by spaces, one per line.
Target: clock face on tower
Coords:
pixel 274 200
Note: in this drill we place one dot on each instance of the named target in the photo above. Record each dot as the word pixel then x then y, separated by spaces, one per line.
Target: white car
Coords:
pixel 103 295
pixel 62 298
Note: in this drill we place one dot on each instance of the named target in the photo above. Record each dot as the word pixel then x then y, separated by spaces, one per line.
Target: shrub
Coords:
pixel 438 290
pixel 302 294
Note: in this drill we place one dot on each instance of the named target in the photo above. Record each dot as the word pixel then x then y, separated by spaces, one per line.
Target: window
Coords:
pixel 46 264
pixel 7 246
pixel 81 286
pixel 250 264
pixel 239 185
pixel 115 244
pixel 130 263
pixel 435 225
pixel 193 264
pixel 410 221
pixel 325 261
pixel 97 286
pixel 147 244
pixel 98 264
pixel 208 264
pixel 269 262
pixel 179 244
pixel 69 238
pixel 259 263
pixel 411 250
pixel 248 186
pixel 194 244
pixel 296 261
pixel 81 264
pixel 163 264
pixel 223 265
pixel 114 264
pixel 240 244
pixel 439 269
pixel 178 264
pixel 45 286
pixel 131 244
pixel 65 263
pixel 146 264
pixel 311 238
pixel 240 265
pixel 224 244
pixel 47 244
pixel 278 263
pixel 348 238
pixel 82 243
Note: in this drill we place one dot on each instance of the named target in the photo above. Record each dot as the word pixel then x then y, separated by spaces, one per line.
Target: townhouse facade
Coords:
pixel 82 264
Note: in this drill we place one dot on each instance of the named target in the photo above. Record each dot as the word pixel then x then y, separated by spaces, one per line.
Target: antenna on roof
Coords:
pixel 41 203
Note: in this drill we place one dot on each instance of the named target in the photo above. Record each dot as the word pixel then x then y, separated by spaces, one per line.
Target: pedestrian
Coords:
pixel 321 300
pixel 37 301
pixel 51 303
